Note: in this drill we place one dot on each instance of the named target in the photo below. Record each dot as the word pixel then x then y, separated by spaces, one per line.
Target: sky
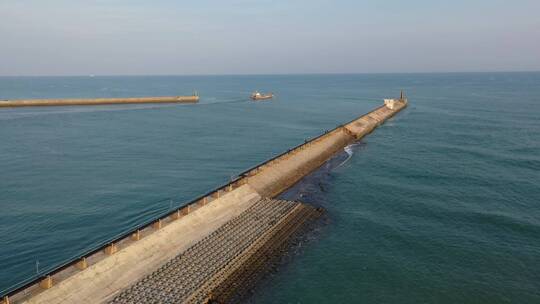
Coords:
pixel 166 37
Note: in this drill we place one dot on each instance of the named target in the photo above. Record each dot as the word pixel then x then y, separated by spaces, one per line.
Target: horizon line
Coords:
pixel 273 74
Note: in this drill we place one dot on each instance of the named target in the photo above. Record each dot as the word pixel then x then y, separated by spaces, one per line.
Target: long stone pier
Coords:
pixel 96 101
pixel 212 248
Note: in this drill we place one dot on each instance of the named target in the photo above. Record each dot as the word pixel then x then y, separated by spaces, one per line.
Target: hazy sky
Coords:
pixel 77 37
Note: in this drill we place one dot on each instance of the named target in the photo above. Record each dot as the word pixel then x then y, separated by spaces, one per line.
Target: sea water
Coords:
pixel 440 204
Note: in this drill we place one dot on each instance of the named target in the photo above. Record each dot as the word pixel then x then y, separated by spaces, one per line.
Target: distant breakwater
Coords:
pixel 96 101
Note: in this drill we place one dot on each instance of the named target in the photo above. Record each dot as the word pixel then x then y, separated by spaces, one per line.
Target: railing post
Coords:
pixel 6 300
pixel 135 236
pixel 111 249
pixel 82 264
pixel 186 209
pixel 175 215
pixel 157 224
pixel 46 283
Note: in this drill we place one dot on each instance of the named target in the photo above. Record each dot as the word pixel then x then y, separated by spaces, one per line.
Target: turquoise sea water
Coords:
pixel 439 205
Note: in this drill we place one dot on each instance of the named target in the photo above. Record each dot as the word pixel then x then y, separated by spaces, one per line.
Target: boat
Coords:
pixel 258 96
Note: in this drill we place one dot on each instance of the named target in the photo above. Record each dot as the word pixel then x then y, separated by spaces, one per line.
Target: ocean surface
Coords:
pixel 439 205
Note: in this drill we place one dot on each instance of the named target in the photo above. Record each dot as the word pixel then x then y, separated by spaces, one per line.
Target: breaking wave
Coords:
pixel 350 151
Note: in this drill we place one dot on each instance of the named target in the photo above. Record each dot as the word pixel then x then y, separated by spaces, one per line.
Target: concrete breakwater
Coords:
pixel 109 271
pixel 96 101
pixel 214 266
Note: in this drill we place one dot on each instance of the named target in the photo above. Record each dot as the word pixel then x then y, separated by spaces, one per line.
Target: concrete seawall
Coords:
pixel 102 274
pixel 281 173
pixel 96 101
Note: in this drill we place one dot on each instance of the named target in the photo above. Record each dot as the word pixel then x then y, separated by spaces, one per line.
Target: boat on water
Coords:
pixel 258 96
